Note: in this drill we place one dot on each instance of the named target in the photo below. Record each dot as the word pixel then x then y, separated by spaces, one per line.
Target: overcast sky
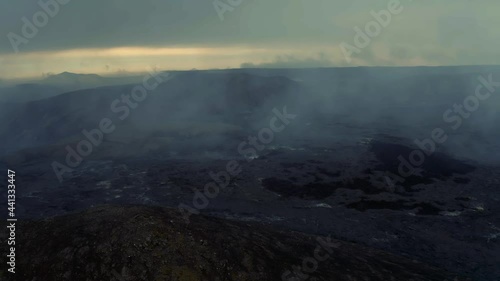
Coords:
pixel 109 36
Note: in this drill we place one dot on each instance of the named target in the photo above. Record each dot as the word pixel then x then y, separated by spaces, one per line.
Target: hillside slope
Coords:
pixel 148 243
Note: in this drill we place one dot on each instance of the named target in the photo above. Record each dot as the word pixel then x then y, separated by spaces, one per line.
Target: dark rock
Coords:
pixel 150 243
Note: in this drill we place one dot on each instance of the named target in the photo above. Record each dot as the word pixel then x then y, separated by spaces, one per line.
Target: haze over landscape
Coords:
pixel 250 140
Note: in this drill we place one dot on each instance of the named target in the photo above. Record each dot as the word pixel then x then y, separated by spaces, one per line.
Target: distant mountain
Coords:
pixel 57 84
pixel 75 80
pixel 195 98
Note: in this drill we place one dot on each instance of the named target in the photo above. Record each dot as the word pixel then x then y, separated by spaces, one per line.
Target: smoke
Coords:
pixel 214 110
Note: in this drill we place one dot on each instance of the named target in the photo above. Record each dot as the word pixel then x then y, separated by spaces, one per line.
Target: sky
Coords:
pixel 110 37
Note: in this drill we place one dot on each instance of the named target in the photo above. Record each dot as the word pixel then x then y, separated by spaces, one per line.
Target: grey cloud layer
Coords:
pixel 468 28
pixel 94 23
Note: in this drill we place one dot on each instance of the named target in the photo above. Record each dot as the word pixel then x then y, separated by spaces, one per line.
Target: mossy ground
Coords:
pixel 147 243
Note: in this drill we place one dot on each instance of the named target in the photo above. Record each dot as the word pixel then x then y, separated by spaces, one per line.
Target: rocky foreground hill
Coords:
pixel 151 243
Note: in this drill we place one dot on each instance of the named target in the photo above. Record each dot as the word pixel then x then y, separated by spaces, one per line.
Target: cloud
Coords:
pixel 96 32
